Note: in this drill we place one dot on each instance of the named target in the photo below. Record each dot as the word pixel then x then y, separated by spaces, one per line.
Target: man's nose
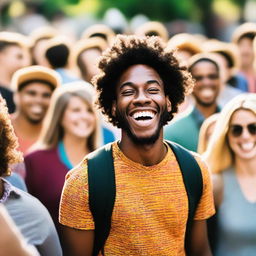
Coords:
pixel 141 97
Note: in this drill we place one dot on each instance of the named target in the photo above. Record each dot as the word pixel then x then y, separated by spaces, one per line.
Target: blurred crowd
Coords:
pixel 46 81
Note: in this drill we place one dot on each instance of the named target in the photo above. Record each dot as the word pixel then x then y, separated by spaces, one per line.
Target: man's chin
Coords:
pixel 35 120
pixel 144 140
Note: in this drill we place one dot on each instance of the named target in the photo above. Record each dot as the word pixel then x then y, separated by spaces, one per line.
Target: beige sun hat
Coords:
pixel 153 28
pixel 35 73
pixel 186 42
pixel 45 32
pixel 87 43
pixel 99 31
pixel 204 55
pixel 245 28
pixel 228 50
pixel 13 37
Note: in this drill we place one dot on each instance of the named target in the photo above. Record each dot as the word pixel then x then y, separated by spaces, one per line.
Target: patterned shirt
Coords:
pixel 151 206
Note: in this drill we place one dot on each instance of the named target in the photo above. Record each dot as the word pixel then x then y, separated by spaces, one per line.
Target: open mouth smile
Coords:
pixel 143 118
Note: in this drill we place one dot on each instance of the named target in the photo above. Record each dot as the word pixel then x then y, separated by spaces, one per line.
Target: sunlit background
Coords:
pixel 213 18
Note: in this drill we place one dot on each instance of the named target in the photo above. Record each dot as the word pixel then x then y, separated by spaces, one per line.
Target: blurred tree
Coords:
pixel 51 7
pixel 207 17
pixel 163 10
pixel 241 5
pixel 167 10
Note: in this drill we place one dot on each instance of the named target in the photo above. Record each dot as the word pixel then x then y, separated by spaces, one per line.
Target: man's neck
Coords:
pixel 248 70
pixel 207 111
pixel 24 128
pixel 144 154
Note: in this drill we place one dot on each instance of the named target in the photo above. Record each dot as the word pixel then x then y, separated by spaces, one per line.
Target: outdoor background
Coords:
pixel 214 18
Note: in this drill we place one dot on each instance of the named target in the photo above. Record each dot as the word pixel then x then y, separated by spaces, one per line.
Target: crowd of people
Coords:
pixel 133 144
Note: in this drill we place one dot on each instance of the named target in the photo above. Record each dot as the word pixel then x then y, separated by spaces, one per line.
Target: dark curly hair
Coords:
pixel 131 50
pixel 8 141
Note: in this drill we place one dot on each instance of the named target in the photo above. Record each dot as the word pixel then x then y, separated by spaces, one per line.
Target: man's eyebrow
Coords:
pixel 126 84
pixel 153 82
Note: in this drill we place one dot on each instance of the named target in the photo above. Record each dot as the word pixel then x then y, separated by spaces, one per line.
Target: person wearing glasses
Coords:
pixel 231 156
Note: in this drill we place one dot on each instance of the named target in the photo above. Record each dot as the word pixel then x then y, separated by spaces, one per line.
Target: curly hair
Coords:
pixel 8 141
pixel 131 50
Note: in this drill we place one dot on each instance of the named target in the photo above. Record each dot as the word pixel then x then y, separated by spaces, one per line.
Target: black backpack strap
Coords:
pixel 193 181
pixel 102 192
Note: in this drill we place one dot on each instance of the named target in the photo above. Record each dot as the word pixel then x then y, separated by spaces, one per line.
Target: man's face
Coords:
pixel 141 107
pixel 12 58
pixel 245 47
pixel 208 83
pixel 90 59
pixel 33 101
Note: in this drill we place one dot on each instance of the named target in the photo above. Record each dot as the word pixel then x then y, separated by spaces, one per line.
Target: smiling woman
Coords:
pixel 70 131
pixel 231 156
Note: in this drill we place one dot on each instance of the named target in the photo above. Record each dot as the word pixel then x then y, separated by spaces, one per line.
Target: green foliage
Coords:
pixel 50 7
pixel 162 10
pixel 240 3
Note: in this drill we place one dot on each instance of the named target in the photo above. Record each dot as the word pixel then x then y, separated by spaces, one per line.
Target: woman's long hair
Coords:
pixel 218 155
pixel 52 131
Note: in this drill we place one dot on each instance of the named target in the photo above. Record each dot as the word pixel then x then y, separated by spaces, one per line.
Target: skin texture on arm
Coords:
pixel 78 242
pixel 11 241
pixel 199 245
pixel 217 189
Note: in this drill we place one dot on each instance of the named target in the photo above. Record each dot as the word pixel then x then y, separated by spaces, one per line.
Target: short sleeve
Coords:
pixel 74 203
pixel 205 207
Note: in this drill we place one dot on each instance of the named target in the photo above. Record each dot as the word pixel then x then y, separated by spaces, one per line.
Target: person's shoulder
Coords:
pixel 41 157
pixel 22 205
pixel 201 162
pixel 40 153
pixel 179 121
pixel 78 173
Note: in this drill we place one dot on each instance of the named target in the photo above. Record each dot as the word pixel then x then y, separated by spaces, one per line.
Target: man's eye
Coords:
pixel 127 92
pixel 198 78
pixel 153 90
pixel 213 77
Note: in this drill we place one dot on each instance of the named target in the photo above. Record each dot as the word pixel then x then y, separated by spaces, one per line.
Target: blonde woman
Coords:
pixel 231 156
pixel 70 131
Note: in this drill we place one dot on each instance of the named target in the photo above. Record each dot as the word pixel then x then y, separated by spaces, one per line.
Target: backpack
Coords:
pixel 102 189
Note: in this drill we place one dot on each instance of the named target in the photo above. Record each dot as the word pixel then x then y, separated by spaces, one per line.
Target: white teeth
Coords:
pixel 247 146
pixel 37 109
pixel 143 114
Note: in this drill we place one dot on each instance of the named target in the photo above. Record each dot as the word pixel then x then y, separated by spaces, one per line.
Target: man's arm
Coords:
pixel 78 242
pixel 199 244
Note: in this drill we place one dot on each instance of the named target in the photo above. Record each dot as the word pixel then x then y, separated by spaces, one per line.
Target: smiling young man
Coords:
pixel 185 129
pixel 33 87
pixel 140 87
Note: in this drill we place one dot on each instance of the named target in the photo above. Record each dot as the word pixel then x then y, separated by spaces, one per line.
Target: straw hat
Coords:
pixel 228 50
pixel 45 32
pixel 245 28
pixel 201 56
pixel 14 37
pixel 153 28
pixel 87 43
pixel 34 73
pixel 99 31
pixel 186 42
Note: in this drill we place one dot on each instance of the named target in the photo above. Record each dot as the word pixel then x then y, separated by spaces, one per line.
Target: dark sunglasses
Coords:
pixel 236 129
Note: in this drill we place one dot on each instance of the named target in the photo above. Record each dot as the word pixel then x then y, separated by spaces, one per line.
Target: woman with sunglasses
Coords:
pixel 231 156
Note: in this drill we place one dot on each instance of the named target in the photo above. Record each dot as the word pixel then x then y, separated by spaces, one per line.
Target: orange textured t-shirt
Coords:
pixel 151 206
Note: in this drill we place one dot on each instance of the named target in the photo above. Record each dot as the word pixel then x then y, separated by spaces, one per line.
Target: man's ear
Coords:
pixel 169 104
pixel 113 111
